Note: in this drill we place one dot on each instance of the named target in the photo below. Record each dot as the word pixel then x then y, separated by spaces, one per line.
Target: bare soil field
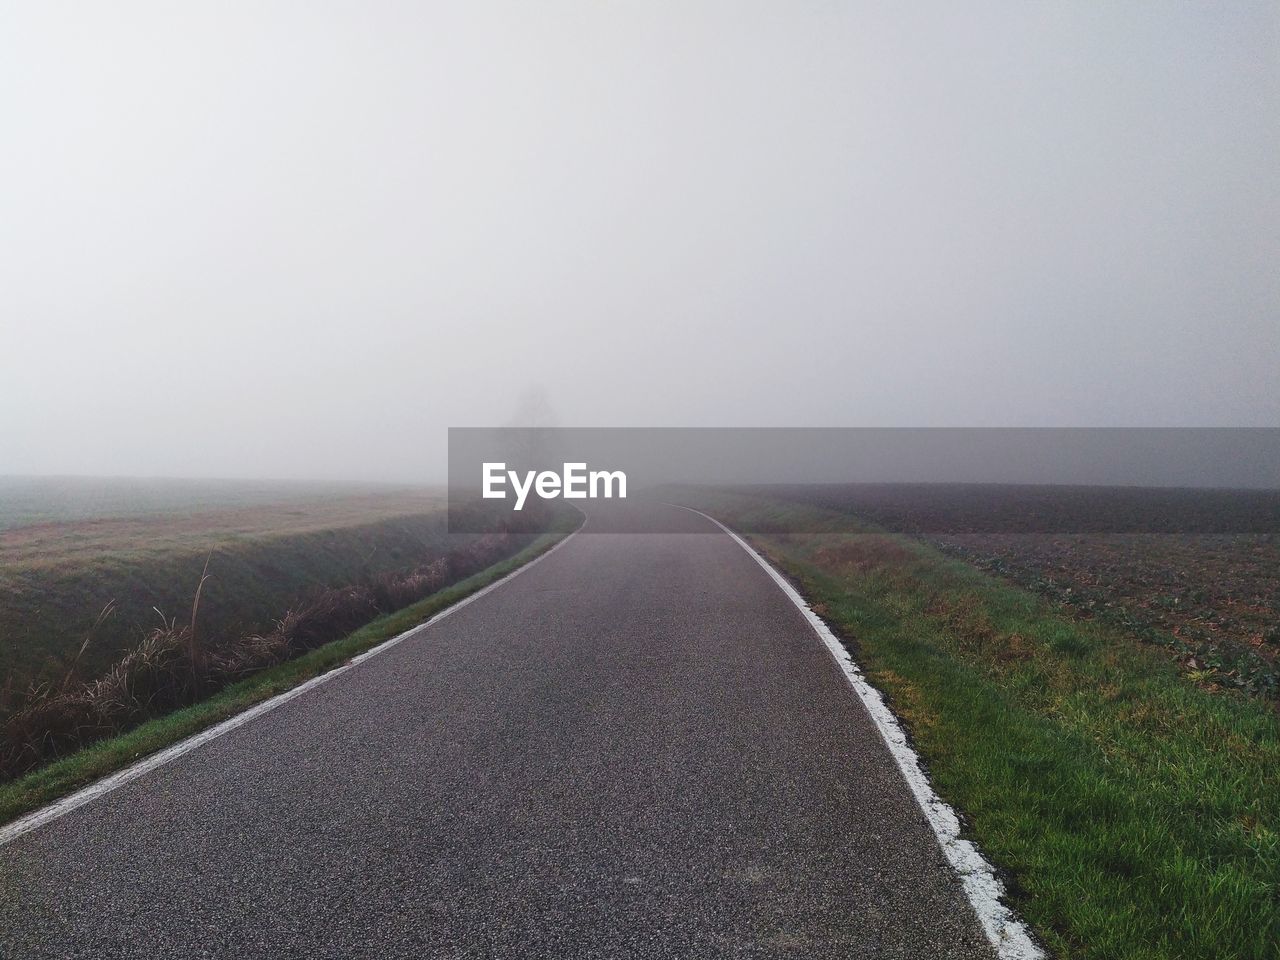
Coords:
pixel 1196 571
pixel 1214 599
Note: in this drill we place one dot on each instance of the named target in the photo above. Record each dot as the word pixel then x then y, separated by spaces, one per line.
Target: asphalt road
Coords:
pixel 637 748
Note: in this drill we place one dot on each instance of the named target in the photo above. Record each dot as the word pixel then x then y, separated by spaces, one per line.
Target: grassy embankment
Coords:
pixel 1137 812
pixel 145 554
pixel 89 764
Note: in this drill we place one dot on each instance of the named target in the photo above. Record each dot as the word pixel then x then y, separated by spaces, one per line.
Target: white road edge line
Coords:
pixel 58 808
pixel 1008 934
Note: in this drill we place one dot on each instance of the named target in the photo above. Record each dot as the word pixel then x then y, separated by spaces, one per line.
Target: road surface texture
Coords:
pixel 636 748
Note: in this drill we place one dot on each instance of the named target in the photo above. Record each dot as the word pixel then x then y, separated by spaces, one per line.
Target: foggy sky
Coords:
pixel 300 240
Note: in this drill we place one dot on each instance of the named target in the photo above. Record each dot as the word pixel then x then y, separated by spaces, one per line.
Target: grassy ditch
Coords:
pixel 55 578
pixel 1136 812
pixel 106 756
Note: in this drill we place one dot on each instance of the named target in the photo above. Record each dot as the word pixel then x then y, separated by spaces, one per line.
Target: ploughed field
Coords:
pixel 1196 571
pixel 1212 599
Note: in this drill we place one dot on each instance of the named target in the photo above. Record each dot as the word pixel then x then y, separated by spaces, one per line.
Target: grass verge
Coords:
pixel 1136 813
pixel 63 776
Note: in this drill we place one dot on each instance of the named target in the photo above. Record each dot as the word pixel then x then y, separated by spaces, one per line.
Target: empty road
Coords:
pixel 636 748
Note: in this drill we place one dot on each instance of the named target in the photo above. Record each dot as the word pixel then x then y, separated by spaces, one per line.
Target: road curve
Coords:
pixel 637 748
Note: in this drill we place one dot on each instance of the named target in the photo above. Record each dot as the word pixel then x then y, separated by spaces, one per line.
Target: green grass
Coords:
pixel 92 763
pixel 1138 814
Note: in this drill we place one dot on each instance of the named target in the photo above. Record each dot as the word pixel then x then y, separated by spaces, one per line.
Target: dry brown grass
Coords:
pixel 172 665
pixel 55 545
pixel 965 618
pixel 862 553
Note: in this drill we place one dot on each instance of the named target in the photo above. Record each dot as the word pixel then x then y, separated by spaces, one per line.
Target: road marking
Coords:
pixel 59 808
pixel 1008 934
